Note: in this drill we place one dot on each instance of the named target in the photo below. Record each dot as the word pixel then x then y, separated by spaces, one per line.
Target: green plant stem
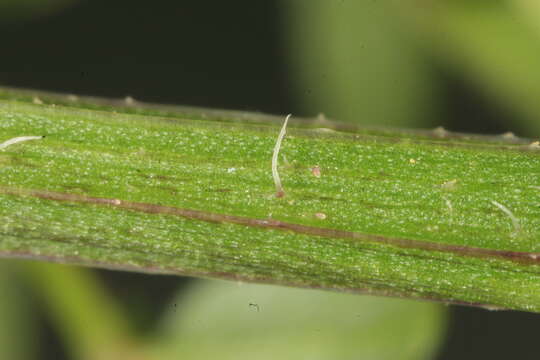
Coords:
pixel 398 213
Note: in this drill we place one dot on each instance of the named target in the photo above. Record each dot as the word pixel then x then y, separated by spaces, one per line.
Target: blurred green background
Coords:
pixel 466 65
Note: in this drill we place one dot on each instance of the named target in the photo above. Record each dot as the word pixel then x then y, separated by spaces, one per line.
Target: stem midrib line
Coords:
pixel 516 256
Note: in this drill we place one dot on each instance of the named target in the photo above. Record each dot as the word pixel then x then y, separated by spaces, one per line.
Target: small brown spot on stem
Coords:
pixel 316 171
pixel 320 215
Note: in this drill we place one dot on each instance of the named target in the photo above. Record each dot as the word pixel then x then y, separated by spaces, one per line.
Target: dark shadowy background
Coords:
pixel 224 54
pixel 218 54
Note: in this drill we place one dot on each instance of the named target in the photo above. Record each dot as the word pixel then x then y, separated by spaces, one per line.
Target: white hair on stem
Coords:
pixel 275 174
pixel 504 209
pixel 19 139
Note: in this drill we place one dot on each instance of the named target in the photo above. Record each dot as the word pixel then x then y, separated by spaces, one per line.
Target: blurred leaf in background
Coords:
pixel 494 45
pixel 377 62
pixel 19 11
pixel 91 323
pixel 18 335
pixel 529 10
pixel 354 61
pixel 218 319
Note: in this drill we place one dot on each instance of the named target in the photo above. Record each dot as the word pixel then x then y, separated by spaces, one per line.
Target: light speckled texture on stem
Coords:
pixel 406 240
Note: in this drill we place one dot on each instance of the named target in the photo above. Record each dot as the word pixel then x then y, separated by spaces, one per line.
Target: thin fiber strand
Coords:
pixel 512 217
pixel 275 174
pixel 18 140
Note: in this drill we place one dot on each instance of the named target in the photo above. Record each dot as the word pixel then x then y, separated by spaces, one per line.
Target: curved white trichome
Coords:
pixel 504 209
pixel 275 174
pixel 19 139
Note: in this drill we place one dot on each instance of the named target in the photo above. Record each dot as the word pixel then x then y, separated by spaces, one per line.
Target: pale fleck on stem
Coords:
pixel 449 205
pixel 504 209
pixel 18 140
pixel 275 174
pixel 316 171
